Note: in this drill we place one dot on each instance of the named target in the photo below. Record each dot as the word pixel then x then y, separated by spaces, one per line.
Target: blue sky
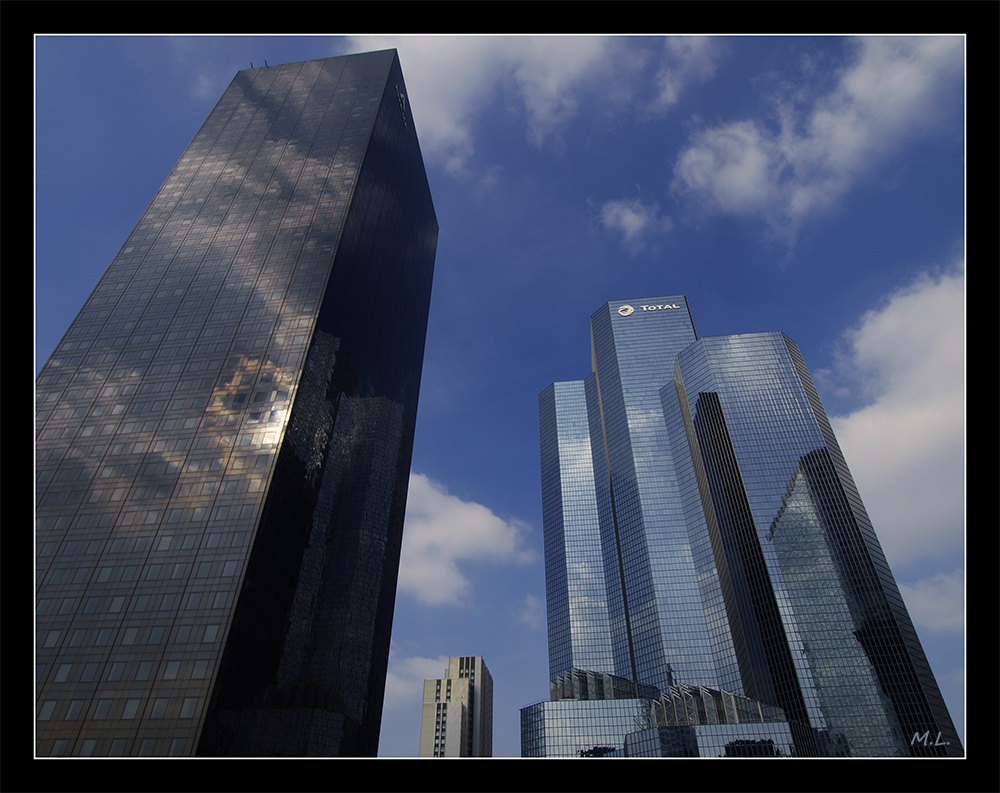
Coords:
pixel 809 184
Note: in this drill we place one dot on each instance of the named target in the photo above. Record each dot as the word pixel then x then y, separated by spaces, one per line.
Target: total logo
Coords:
pixel 628 310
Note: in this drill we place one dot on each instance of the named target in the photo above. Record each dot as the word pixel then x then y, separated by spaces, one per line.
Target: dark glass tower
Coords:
pixel 705 540
pixel 224 435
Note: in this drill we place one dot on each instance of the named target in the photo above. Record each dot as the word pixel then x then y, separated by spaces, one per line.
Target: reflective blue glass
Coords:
pixel 737 557
pixel 655 612
pixel 224 434
pixel 579 633
pixel 815 615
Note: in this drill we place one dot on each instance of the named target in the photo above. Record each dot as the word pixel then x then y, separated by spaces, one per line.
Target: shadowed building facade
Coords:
pixel 224 435
pixel 704 534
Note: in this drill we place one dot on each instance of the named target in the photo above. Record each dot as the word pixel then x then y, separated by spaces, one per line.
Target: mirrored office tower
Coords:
pixel 705 543
pixel 224 435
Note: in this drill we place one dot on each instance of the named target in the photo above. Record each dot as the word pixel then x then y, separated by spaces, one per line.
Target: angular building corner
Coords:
pixel 224 435
pixel 714 585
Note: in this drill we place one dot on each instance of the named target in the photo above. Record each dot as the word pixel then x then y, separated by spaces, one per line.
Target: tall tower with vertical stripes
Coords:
pixel 705 543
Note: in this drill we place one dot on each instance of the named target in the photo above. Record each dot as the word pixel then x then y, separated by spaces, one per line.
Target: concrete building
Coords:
pixel 456 719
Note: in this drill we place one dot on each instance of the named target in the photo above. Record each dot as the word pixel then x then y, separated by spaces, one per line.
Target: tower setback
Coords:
pixel 714 584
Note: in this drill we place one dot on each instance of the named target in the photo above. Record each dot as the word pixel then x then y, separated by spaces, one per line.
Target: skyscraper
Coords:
pixel 456 718
pixel 706 545
pixel 224 434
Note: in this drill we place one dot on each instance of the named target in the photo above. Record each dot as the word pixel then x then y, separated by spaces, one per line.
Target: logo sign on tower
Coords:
pixel 628 310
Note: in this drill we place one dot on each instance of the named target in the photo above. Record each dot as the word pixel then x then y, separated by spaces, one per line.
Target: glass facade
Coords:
pixel 224 435
pixel 822 630
pixel 588 728
pixel 736 552
pixel 711 740
pixel 685 721
pixel 576 597
pixel 657 622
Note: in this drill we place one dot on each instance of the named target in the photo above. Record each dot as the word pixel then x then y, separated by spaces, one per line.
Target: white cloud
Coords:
pixel 548 72
pixel 634 221
pixel 208 78
pixel 687 59
pixel 452 79
pixel 937 603
pixel 441 532
pixel 906 447
pixel 404 681
pixel 207 87
pixel 533 612
pixel 802 162
pixel 735 167
pixel 446 99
